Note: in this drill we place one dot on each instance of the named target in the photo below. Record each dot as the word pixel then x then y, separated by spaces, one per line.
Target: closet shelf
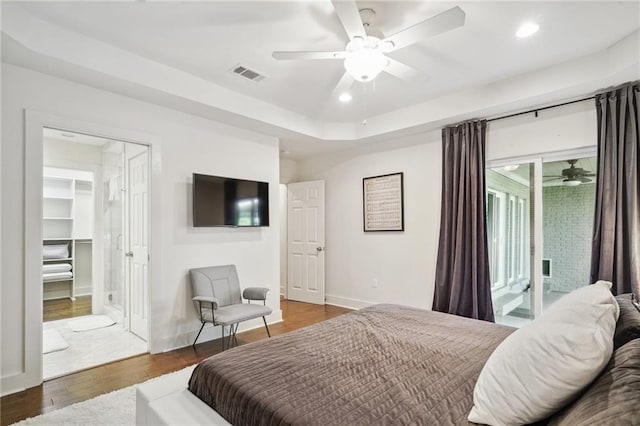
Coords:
pixel 56 197
pixel 57 280
pixel 67 213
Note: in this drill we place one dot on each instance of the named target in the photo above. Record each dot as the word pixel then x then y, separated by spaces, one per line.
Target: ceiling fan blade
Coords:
pixel 442 22
pixel 344 85
pixel 349 17
pixel 284 56
pixel 584 179
pixel 404 72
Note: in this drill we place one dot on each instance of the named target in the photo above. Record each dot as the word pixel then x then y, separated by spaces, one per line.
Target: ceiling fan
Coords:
pixel 365 54
pixel 573 176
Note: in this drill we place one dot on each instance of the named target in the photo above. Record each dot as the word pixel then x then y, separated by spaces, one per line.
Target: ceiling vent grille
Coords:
pixel 247 73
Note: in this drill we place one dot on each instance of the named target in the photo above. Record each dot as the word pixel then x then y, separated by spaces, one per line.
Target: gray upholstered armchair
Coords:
pixel 216 291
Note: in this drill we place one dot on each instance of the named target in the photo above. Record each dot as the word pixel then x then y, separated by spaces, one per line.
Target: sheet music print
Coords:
pixel 383 203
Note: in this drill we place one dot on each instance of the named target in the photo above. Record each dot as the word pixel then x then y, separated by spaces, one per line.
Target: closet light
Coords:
pixel 527 29
pixel 345 97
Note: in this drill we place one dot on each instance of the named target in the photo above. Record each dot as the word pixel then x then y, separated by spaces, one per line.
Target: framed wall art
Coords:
pixel 383 202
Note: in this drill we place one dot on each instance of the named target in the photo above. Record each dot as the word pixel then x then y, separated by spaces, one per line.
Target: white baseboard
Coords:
pixel 346 302
pixel 12 384
pixel 282 290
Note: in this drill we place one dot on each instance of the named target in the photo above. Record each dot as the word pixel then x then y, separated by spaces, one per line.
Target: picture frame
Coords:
pixel 383 203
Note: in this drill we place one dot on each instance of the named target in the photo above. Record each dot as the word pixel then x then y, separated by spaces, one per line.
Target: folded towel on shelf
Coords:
pixel 56 267
pixel 55 276
pixel 55 251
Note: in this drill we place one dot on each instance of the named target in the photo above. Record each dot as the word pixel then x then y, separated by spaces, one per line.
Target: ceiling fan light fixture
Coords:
pixel 387 46
pixel 571 182
pixel 365 60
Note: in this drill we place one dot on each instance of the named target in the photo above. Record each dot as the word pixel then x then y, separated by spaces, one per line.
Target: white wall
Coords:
pixel 288 170
pixel 403 263
pixel 187 144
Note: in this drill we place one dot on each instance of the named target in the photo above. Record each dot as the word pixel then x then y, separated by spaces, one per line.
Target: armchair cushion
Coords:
pixel 232 314
pixel 255 293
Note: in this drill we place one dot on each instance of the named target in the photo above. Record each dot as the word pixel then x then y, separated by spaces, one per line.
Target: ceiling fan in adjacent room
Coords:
pixel 573 176
pixel 365 55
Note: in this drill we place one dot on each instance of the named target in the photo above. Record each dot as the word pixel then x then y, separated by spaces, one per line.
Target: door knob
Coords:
pixel 129 254
pixel 319 248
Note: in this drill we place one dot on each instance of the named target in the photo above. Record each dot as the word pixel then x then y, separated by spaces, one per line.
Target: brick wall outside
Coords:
pixel 568 225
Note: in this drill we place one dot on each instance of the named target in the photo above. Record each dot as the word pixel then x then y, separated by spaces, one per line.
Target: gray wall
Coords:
pixel 568 225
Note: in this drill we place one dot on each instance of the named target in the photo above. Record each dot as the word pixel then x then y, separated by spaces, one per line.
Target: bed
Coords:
pixel 386 364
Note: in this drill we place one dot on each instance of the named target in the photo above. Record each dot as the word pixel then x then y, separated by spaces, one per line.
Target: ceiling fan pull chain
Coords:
pixel 364 102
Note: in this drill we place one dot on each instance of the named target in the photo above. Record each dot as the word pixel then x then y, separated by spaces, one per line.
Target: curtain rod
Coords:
pixel 535 110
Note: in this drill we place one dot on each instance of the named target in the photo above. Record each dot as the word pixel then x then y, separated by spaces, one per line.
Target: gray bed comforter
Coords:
pixel 386 364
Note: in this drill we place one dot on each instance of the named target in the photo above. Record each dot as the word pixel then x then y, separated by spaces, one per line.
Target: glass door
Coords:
pixel 510 220
pixel 113 228
pixel 539 228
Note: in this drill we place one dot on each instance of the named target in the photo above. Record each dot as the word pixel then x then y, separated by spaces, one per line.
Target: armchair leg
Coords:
pixel 222 337
pixel 266 326
pixel 194 342
pixel 235 330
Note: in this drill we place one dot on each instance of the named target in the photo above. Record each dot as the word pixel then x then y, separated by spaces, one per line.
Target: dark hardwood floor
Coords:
pixel 67 390
pixel 66 308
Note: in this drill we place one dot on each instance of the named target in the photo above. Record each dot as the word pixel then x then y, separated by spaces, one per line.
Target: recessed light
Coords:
pixel 527 29
pixel 68 135
pixel 345 97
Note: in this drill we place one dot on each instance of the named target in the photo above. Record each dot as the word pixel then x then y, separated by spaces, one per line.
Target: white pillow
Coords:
pixel 542 366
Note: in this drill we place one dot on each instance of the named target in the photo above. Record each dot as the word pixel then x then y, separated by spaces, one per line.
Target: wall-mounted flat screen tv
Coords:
pixel 222 201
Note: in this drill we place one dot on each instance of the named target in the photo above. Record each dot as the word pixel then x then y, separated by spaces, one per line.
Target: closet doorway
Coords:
pixel 95 252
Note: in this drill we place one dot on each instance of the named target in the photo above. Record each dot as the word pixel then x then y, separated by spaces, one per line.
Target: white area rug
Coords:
pixel 116 408
pixel 90 323
pixel 89 348
pixel 52 341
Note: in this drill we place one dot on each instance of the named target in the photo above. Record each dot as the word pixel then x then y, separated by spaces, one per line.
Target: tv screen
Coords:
pixel 221 201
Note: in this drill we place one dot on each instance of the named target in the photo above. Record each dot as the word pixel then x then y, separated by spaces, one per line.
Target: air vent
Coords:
pixel 247 73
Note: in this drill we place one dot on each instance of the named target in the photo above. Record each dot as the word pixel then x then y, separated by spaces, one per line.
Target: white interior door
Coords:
pixel 138 254
pixel 305 248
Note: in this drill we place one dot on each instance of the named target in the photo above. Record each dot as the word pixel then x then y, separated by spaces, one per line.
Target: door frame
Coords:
pixel 537 248
pixel 35 122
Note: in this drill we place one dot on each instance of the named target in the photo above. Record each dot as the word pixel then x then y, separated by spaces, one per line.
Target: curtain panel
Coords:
pixel 462 284
pixel 615 253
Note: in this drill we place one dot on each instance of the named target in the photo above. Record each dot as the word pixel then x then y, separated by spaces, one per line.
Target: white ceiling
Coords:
pixel 176 54
pixel 205 39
